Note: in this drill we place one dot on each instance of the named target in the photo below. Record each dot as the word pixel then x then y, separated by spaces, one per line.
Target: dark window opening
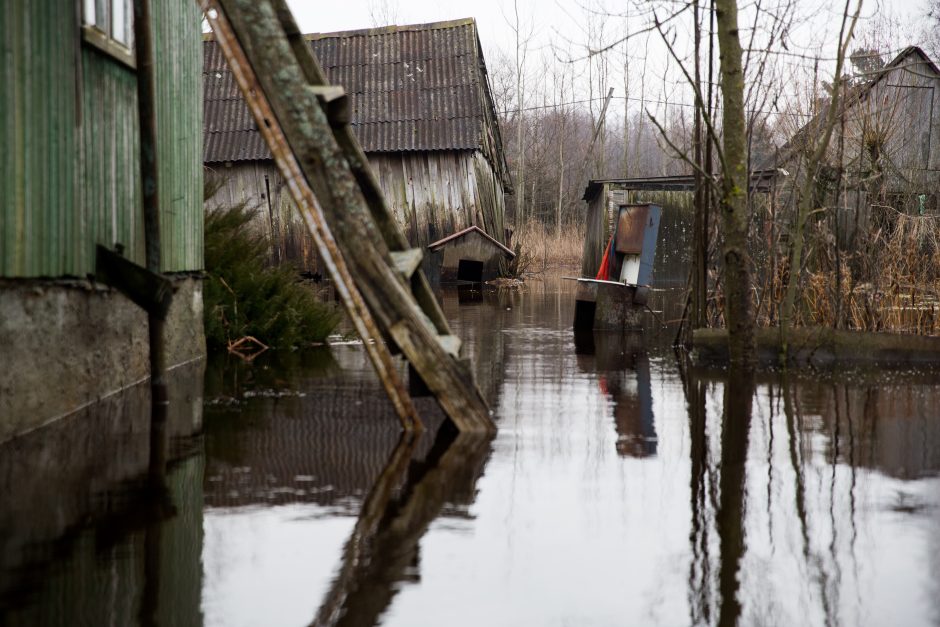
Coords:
pixel 469 270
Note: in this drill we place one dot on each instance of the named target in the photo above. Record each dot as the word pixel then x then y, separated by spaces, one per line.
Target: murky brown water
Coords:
pixel 618 491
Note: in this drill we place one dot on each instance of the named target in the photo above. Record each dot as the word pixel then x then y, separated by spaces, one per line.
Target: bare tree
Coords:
pixel 815 155
pixel 383 12
pixel 735 181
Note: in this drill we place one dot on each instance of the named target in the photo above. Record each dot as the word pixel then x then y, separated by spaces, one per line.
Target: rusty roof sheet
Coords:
pixel 412 88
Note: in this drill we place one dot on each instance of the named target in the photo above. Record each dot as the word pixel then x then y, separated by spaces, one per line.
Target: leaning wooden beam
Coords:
pixel 359 164
pixel 365 234
pixel 312 213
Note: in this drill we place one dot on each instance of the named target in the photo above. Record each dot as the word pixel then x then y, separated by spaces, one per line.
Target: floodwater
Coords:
pixel 619 490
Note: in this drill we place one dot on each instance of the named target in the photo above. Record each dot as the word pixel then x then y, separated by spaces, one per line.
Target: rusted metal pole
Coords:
pixel 147 116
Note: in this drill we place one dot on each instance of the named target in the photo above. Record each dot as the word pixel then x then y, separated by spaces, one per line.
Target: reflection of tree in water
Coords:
pixel 383 548
pixel 623 375
pixel 725 506
pixel 812 445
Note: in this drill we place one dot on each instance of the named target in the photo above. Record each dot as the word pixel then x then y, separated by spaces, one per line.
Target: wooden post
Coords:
pixel 147 116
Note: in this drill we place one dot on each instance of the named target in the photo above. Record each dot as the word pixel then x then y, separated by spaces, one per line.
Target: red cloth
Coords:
pixel 605 262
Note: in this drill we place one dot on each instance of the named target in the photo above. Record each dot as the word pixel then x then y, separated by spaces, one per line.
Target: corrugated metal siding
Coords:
pixel 178 54
pixel 38 110
pixel 110 194
pixel 70 176
pixel 412 88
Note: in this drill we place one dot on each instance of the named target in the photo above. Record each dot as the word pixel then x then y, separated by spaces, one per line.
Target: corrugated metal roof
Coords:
pixel 412 88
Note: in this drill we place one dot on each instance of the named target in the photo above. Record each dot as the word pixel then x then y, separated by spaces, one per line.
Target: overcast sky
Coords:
pixel 564 22
pixel 553 18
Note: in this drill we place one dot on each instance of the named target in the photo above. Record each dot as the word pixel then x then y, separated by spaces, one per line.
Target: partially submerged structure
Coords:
pixel 613 293
pixel 468 255
pixel 71 176
pixel 422 109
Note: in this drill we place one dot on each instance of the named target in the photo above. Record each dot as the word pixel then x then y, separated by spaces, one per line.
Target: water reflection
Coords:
pixel 623 487
pixel 383 548
pixel 100 519
pixel 622 366
pixel 812 493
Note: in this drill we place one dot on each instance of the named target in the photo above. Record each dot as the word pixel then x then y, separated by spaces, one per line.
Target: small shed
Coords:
pixel 884 155
pixel 468 255
pixel 423 111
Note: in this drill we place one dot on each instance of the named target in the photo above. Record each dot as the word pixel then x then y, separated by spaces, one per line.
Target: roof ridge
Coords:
pixel 379 30
pixel 393 28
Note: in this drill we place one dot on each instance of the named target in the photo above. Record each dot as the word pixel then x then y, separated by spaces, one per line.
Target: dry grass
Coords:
pixel 548 248
pixel 890 284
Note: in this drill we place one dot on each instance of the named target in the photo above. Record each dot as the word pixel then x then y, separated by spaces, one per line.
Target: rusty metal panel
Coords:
pixel 631 227
pixel 411 88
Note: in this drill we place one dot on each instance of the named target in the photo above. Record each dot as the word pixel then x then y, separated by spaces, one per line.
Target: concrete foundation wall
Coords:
pixel 67 344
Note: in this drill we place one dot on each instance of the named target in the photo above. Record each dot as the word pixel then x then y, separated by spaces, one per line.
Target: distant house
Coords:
pixel 71 181
pixel 423 112
pixel 885 148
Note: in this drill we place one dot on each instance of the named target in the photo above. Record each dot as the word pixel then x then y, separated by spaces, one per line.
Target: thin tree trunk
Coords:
pixel 806 200
pixel 733 203
pixel 520 143
pixel 697 318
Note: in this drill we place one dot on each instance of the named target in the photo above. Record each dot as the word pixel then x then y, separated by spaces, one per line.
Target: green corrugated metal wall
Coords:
pixel 69 178
pixel 178 52
pixel 39 108
pixel 110 193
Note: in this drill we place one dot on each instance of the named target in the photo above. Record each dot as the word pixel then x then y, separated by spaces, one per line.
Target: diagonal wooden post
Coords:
pixel 312 213
pixel 333 185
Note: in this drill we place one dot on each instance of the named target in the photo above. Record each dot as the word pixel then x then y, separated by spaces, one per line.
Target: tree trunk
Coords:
pixel 733 204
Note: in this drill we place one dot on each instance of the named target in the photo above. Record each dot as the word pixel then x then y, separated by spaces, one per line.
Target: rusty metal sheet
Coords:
pixel 630 229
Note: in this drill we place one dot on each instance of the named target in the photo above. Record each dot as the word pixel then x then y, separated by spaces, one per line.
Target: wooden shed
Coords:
pixel 467 255
pixel 885 151
pixel 423 112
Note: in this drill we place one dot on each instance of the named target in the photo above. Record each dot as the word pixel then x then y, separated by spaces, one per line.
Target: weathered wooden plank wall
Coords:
pixel 432 194
pixel 68 121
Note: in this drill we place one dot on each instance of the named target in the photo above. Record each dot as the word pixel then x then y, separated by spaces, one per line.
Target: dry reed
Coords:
pixel 889 284
pixel 548 248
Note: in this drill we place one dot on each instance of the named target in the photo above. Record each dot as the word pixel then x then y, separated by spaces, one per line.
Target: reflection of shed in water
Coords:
pixel 623 374
pixel 467 255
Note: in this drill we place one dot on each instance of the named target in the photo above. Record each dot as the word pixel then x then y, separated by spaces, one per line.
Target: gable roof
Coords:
pixel 434 246
pixel 412 88
pixel 911 57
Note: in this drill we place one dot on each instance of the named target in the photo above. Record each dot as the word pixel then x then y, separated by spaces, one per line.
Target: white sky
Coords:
pixel 561 21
